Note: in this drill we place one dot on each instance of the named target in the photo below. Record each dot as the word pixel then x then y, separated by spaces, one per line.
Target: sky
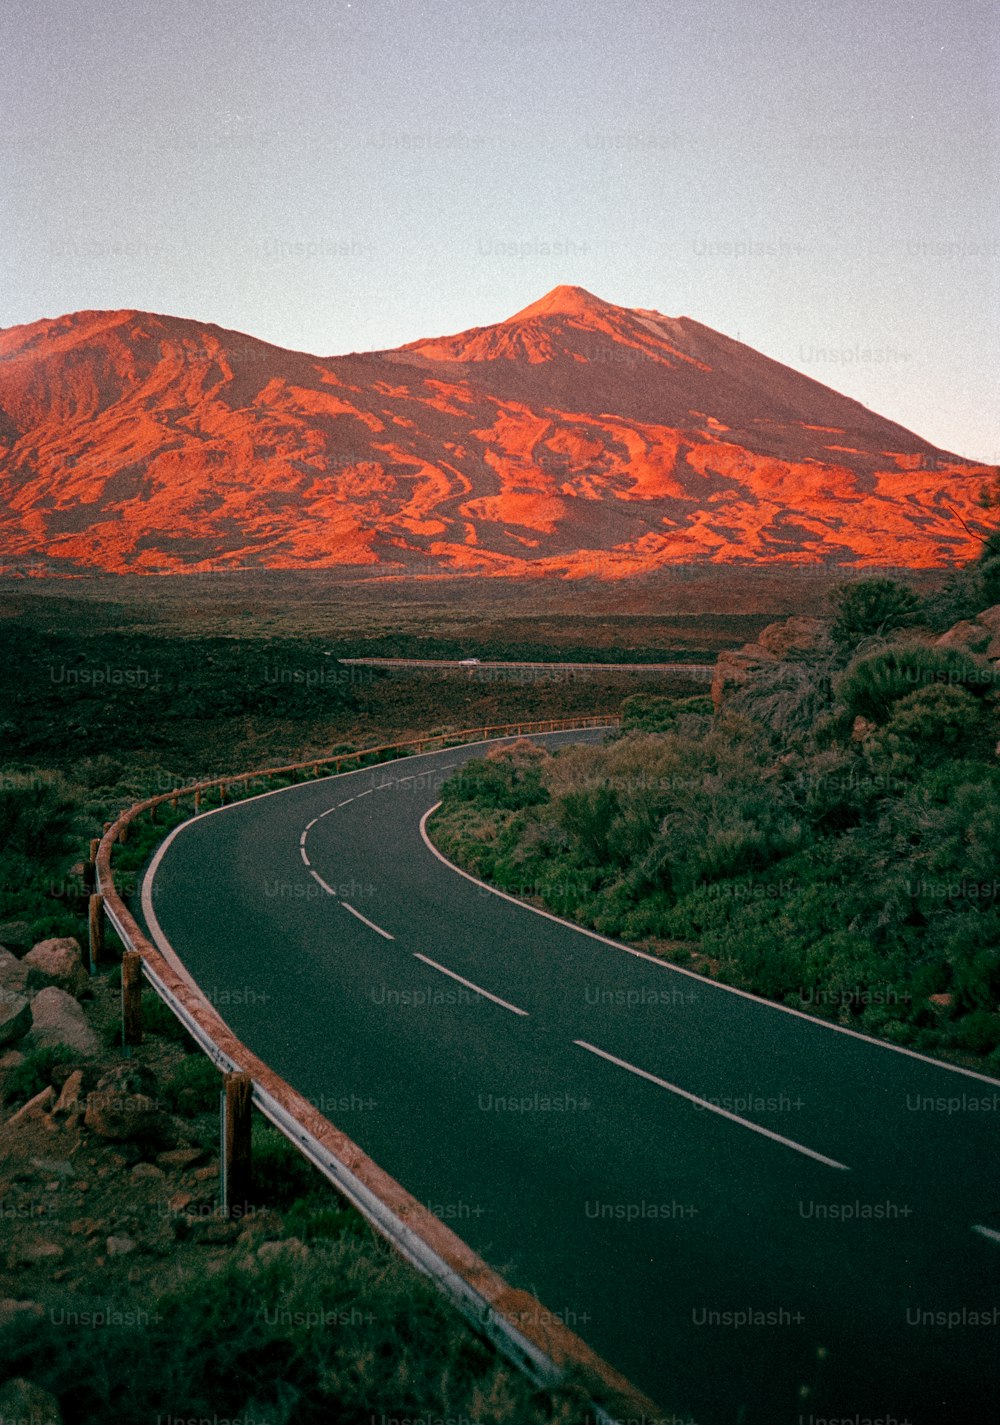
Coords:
pixel 820 180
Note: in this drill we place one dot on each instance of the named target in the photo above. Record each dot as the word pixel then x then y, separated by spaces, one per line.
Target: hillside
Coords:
pixel 576 438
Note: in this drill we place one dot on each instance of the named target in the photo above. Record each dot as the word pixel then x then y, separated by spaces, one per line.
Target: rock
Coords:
pixel 796 639
pixel 965 635
pixel 34 1108
pixel 179 1201
pixel 12 1310
pixel 30 1254
pixel 59 962
pixel 24 1403
pixel 58 1019
pixel 119 1246
pixel 62 1167
pixel 180 1157
pixel 202 1175
pixel 989 618
pixel 15 935
pixel 292 1248
pixel 215 1229
pixel 15 1017
pixel 13 972
pixel 71 1099
pixel 123 1107
pixel 12 1059
pixel 147 1173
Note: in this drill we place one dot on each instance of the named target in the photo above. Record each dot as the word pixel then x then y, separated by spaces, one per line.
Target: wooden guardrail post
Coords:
pixel 197 798
pixel 90 868
pixel 236 1161
pixel 223 793
pixel 131 999
pixel 95 928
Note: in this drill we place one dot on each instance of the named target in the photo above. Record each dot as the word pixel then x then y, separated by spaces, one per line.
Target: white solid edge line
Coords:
pixel 989 1232
pixel 469 985
pixel 156 930
pixel 693 974
pixel 370 923
pixel 712 1107
pixel 316 877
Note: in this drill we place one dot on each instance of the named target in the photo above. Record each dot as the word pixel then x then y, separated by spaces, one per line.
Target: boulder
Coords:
pixel 22 1400
pixel 71 1099
pixel 13 973
pixel 15 1017
pixel 797 639
pixel 59 962
pixel 58 1019
pixel 33 1254
pixel 11 1059
pixel 124 1108
pixel 119 1246
pixel 966 636
pixel 990 620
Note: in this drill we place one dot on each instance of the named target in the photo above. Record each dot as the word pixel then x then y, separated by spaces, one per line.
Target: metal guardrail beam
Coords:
pixel 514 1321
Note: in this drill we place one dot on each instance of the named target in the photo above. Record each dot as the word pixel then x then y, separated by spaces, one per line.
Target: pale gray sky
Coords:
pixel 334 175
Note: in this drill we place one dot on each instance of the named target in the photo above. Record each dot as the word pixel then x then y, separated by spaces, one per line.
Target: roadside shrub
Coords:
pixel 870 607
pixel 587 816
pixel 35 1073
pixel 349 1334
pixel 500 782
pixel 872 683
pixel 648 712
pixel 193 1087
pixel 280 1173
pixel 785 697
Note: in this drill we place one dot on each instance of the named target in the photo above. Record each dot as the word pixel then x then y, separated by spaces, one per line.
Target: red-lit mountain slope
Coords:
pixel 575 438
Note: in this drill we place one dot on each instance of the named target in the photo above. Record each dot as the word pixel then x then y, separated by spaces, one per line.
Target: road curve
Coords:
pixel 729 1202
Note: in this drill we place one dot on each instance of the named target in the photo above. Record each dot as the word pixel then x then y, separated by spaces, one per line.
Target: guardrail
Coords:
pixel 514 1321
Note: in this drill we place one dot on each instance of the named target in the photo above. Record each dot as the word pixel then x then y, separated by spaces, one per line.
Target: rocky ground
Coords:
pixel 109 1172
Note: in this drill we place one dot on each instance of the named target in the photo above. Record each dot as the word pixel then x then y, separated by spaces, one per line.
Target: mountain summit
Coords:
pixel 575 437
pixel 565 301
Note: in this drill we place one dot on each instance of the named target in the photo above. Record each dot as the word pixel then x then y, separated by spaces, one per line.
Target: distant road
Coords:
pixel 696 670
pixel 726 1199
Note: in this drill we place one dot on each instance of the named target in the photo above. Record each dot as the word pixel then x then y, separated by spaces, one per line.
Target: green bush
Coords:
pixel 874 682
pixel 870 607
pixel 348 1334
pixel 281 1175
pixel 35 1072
pixel 647 712
pixel 497 782
pixel 193 1087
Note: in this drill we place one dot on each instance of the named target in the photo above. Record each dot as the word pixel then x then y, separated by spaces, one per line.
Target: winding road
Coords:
pixel 759 1218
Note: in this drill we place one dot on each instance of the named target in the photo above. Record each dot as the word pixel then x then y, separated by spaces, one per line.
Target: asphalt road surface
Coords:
pixel 489 669
pixel 757 1218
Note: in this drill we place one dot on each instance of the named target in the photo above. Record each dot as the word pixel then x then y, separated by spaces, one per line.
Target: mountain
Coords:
pixel 577 437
